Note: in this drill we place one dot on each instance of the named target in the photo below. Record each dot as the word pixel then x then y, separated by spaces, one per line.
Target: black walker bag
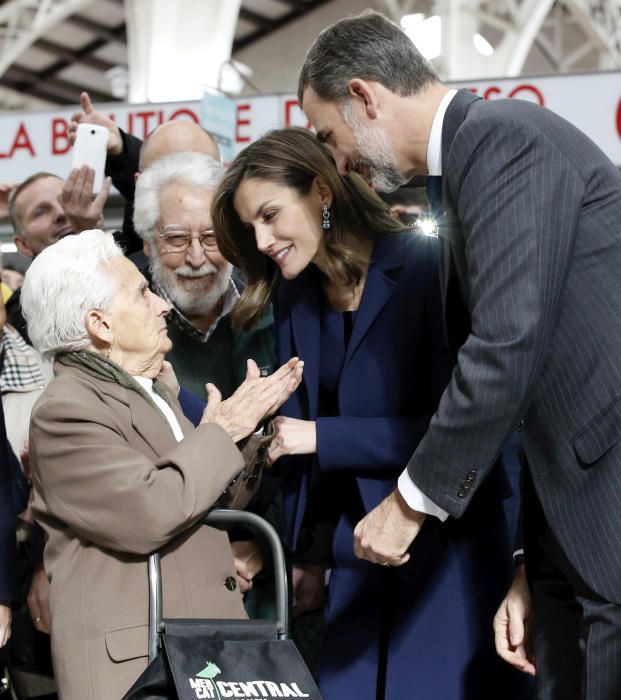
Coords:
pixel 244 659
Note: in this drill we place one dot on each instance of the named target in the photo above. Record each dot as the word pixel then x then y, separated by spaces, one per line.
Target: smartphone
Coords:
pixel 90 149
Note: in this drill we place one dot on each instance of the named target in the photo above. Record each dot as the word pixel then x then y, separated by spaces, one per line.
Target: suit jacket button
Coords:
pixel 521 425
pixel 462 492
pixel 230 583
pixel 471 475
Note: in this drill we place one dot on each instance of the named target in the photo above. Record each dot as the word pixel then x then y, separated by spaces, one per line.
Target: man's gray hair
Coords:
pixel 191 169
pixel 63 283
pixel 367 46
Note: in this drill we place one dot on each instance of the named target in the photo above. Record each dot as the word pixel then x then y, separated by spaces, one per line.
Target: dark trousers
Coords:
pixel 577 637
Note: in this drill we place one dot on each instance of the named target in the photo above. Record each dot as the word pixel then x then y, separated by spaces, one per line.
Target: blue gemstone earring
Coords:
pixel 326 217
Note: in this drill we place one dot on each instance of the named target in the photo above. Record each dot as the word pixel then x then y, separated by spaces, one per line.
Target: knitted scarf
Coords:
pixel 107 371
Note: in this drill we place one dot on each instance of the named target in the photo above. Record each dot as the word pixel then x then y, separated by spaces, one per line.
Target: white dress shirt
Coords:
pixel 147 385
pixel 412 495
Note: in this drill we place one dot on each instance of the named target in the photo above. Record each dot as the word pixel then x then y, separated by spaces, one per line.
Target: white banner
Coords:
pixel 38 141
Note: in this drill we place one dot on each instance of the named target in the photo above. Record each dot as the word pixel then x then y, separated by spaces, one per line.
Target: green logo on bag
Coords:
pixel 210 671
pixel 204 685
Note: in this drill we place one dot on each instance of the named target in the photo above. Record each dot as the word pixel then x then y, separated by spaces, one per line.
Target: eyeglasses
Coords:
pixel 178 241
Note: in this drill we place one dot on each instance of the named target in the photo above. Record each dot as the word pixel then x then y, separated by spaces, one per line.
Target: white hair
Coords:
pixel 63 283
pixel 189 168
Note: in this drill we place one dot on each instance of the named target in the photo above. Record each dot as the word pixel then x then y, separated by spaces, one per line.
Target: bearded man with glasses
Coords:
pixel 172 216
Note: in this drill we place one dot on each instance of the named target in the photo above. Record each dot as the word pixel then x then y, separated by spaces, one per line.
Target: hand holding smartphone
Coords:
pixel 90 149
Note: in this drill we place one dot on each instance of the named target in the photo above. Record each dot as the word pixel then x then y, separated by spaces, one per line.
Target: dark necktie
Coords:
pixel 434 194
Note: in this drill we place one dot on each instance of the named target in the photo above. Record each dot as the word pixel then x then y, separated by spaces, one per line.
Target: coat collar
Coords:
pixel 146 421
pixel 386 261
pixel 304 296
pixel 453 118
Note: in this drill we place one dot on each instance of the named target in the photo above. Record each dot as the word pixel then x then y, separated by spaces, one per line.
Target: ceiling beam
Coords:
pixel 28 80
pixel 70 56
pixel 297 4
pixel 42 92
pixel 255 18
pixel 109 33
pixel 245 41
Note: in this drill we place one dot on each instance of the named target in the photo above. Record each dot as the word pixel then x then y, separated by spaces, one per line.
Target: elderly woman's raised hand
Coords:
pixel 256 399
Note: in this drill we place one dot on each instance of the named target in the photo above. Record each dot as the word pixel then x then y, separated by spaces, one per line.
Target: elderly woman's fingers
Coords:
pixel 286 369
pixel 252 369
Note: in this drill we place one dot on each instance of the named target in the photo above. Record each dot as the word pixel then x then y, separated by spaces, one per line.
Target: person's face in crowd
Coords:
pixel 41 216
pixel 356 141
pixel 195 278
pixel 136 321
pixel 286 225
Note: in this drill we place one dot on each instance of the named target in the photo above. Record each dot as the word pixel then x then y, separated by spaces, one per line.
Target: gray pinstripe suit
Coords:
pixel 532 251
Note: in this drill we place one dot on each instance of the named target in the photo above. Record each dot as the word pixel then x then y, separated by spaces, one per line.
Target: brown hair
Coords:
pixel 294 158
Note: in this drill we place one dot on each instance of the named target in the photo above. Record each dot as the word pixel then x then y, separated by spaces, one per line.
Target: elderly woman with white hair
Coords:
pixel 118 472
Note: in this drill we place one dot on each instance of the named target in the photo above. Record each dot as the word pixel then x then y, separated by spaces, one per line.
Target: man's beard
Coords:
pixel 373 149
pixel 208 286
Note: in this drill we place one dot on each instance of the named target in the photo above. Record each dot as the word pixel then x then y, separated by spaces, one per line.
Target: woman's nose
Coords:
pixel 264 239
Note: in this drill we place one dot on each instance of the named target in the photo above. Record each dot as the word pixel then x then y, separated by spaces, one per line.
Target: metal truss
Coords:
pixel 22 22
pixel 564 32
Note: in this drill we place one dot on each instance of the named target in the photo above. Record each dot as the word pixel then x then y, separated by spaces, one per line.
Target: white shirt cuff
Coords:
pixel 417 500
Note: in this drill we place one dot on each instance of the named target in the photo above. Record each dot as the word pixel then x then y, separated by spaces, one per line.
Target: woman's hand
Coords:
pixel 292 437
pixel 254 401
pixel 248 562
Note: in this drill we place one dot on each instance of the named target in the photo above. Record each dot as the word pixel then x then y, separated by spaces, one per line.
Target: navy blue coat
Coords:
pixel 427 623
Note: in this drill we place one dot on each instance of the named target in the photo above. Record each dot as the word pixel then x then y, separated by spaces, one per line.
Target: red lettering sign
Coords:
pixel 146 117
pixel 528 88
pixel 242 122
pixel 184 112
pixel 493 90
pixel 22 140
pixel 619 119
pixel 60 137
pixel 290 105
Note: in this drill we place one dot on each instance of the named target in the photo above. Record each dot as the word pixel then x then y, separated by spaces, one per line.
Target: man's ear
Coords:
pixel 321 187
pixel 136 176
pixel 97 325
pixel 365 92
pixel 146 248
pixel 23 247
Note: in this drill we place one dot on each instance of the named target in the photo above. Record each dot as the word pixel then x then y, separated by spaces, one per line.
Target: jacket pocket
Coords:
pixel 599 435
pixel 128 643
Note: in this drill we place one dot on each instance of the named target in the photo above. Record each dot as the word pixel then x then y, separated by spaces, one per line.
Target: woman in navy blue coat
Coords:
pixel 359 301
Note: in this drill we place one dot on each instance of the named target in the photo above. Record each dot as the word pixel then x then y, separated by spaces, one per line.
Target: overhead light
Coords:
pixel 426 34
pixel 119 81
pixel 233 75
pixel 408 21
pixel 482 45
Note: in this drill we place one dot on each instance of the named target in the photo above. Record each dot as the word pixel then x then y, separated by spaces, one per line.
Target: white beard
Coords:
pixel 207 288
pixel 373 149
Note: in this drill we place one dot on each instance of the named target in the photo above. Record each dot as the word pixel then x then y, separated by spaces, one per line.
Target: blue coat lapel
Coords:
pixel 380 284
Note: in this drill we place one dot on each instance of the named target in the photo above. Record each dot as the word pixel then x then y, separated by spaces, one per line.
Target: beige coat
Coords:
pixel 112 485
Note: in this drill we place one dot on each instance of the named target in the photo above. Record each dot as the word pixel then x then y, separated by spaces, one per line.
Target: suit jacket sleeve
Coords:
pixel 518 201
pixel 90 478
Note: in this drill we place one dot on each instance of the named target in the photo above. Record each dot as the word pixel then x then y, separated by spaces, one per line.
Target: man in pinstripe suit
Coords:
pixel 530 229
